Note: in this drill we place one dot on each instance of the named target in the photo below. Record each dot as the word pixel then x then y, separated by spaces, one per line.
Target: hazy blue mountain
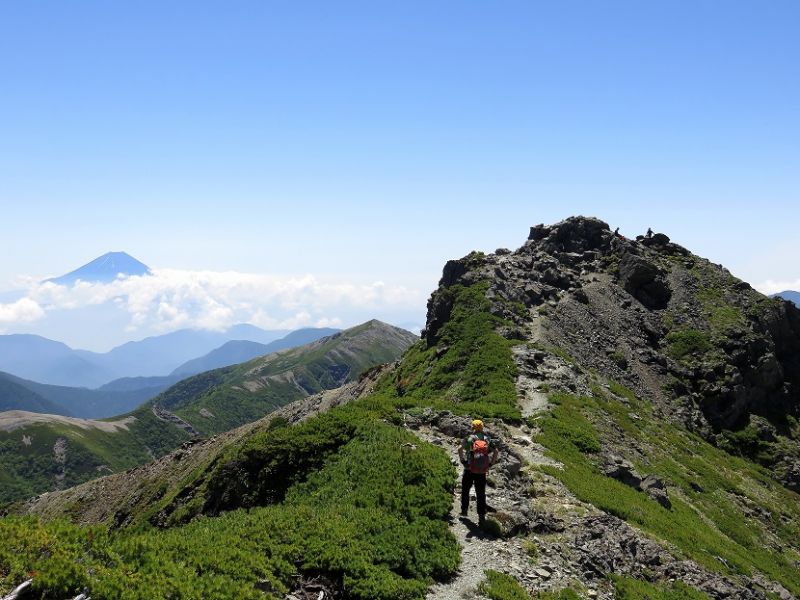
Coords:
pixel 789 295
pixel 157 355
pixel 46 361
pixel 83 402
pixel 14 396
pixel 161 355
pixel 104 269
pixel 128 384
pixel 37 358
pixel 229 353
pixel 238 351
pixel 251 333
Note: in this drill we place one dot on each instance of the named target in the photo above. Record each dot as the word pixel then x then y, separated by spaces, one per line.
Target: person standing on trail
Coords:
pixel 477 453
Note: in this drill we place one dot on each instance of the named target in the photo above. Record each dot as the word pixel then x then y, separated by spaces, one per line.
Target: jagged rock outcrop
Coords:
pixel 592 313
pixel 702 345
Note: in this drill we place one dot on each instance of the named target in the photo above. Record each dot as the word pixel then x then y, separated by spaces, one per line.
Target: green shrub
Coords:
pixel 499 586
pixel 531 549
pixel 620 359
pixel 688 342
pixel 746 442
pixel 564 594
pixel 626 588
pixel 471 371
pixel 346 494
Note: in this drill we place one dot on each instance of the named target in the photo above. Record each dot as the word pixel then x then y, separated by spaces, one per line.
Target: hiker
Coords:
pixel 616 232
pixel 649 233
pixel 477 453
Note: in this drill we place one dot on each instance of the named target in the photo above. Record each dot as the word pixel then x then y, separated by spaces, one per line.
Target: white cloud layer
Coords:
pixel 773 287
pixel 171 299
pixel 24 310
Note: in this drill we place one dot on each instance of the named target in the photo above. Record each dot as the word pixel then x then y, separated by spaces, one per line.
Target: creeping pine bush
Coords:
pixel 370 515
pixel 346 493
pixel 688 342
pixel 626 588
pixel 499 586
pixel 469 371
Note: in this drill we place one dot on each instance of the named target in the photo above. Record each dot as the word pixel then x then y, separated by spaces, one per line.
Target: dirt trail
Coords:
pixel 480 549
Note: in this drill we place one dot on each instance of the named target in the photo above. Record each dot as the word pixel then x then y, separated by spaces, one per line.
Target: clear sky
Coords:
pixel 371 141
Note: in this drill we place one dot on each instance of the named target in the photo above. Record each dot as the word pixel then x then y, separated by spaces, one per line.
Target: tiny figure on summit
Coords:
pixel 649 233
pixel 477 453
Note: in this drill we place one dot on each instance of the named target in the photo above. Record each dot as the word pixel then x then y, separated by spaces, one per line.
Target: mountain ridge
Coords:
pixel 238 351
pixel 46 361
pixel 182 412
pixel 642 399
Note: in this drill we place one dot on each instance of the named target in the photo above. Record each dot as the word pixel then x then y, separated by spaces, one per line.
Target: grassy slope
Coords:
pixel 716 497
pixel 27 470
pixel 312 368
pixel 348 493
pixel 344 495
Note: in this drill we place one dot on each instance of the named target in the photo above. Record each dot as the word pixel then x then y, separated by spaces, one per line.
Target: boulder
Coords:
pixel 660 496
pixel 620 469
pixel 457 427
pixel 510 465
pixel 506 524
pixel 576 234
pixel 546 523
pixel 769 373
pixel 644 281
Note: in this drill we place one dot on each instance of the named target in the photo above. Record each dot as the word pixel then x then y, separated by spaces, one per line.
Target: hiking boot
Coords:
pixel 463 513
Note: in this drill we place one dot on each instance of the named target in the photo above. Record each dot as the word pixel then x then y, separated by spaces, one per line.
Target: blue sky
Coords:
pixel 372 141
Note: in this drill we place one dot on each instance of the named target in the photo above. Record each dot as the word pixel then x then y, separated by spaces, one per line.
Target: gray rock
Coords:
pixel 510 465
pixel 644 281
pixel 660 496
pixel 620 469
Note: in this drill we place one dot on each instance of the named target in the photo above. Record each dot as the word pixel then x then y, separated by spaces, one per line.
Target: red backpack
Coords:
pixel 479 457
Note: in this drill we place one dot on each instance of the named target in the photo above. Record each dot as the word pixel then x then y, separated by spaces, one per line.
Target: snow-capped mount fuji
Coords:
pixel 104 269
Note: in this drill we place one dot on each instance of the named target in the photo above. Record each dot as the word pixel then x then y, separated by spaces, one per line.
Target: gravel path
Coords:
pixel 479 549
pixel 479 552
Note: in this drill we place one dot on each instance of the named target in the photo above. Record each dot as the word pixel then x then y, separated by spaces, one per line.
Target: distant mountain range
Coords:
pixel 104 269
pixel 40 452
pixel 47 361
pixel 789 295
pixel 21 394
pixel 238 351
pixel 122 395
pixel 14 395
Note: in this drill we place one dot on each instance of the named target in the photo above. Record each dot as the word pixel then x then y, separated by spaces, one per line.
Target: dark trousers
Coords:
pixel 480 490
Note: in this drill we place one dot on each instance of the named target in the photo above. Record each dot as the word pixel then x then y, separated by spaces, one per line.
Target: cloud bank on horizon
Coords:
pixel 770 286
pixel 170 299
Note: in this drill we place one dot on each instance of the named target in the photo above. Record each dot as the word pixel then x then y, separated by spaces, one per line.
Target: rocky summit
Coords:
pixel 702 346
pixel 644 402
